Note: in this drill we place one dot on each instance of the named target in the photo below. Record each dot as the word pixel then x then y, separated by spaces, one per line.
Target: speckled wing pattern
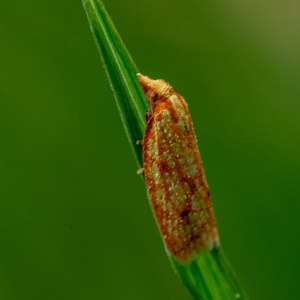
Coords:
pixel 174 176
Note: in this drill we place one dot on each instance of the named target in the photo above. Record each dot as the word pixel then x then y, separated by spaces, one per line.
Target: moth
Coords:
pixel 174 175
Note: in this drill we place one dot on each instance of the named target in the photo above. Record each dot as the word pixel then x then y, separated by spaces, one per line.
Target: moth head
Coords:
pixel 154 89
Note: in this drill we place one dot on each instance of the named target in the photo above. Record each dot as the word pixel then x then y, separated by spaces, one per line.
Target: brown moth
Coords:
pixel 174 175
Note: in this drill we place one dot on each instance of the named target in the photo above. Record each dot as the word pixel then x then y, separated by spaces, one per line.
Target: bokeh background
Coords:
pixel 75 222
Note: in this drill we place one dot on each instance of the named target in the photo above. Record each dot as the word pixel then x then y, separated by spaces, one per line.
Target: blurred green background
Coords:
pixel 75 222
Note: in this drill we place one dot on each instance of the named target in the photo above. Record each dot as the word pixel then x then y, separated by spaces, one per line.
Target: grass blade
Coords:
pixel 121 72
pixel 209 276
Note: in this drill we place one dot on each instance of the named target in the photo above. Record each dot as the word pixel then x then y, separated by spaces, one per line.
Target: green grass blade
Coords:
pixel 121 72
pixel 210 275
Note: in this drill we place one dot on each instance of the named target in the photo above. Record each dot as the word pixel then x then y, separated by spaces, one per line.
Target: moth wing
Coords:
pixel 176 184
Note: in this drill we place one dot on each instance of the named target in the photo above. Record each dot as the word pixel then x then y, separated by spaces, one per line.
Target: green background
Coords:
pixel 75 222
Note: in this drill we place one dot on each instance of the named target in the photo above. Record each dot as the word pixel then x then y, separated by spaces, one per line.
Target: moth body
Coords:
pixel 174 175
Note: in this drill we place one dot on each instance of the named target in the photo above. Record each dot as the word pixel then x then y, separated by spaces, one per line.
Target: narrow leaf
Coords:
pixel 209 276
pixel 121 72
